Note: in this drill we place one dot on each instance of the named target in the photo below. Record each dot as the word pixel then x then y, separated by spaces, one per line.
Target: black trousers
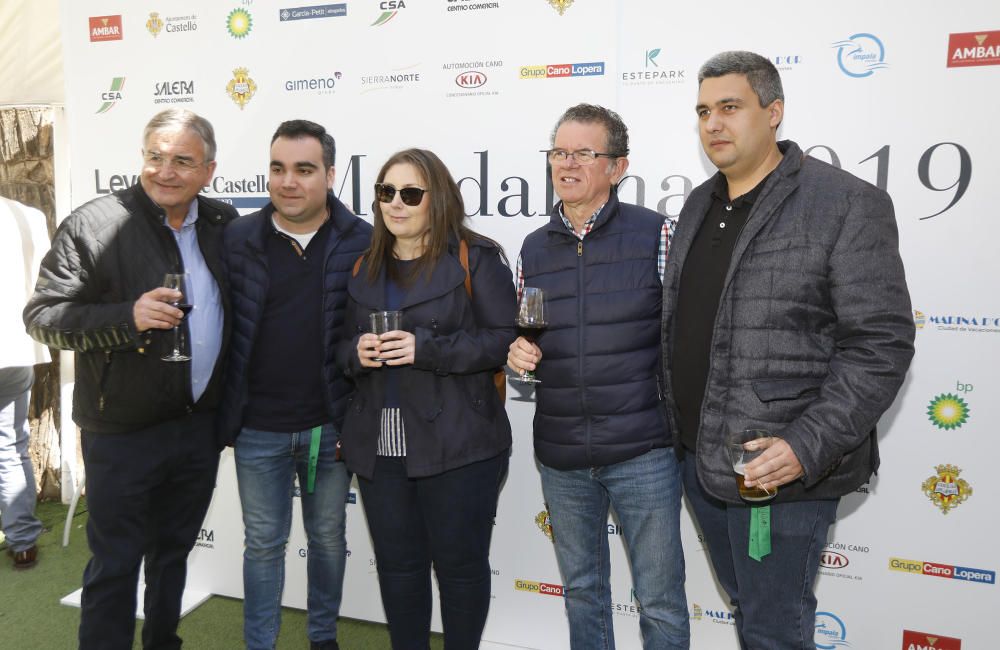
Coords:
pixel 147 493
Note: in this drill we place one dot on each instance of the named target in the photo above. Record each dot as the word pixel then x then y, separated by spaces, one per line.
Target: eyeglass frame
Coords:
pixel 158 161
pixel 573 154
pixel 400 190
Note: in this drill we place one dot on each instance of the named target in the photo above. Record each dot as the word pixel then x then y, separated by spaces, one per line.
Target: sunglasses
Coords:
pixel 411 196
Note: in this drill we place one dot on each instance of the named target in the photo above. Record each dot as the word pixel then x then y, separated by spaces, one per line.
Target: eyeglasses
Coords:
pixel 411 196
pixel 582 157
pixel 156 160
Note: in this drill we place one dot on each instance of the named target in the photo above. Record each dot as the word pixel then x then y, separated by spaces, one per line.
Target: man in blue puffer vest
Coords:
pixel 285 398
pixel 601 436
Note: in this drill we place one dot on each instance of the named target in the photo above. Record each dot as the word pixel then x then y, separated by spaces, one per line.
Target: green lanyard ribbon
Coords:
pixel 760 532
pixel 317 434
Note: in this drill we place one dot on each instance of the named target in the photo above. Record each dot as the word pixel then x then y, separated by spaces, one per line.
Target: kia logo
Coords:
pixel 833 560
pixel 471 79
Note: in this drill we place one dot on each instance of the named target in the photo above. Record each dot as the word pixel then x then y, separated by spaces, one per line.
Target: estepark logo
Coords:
pixel 241 87
pixel 860 55
pixel 112 96
pixel 973 48
pixel 654 72
pixel 831 632
pixel 312 12
pixel 105 28
pixel 389 10
pixel 923 641
pixel 918 567
pixel 561 70
pixel 945 489
pixel 948 411
pixel 542 588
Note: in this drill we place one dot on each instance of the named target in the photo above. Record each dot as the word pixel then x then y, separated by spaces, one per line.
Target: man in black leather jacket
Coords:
pixel 148 439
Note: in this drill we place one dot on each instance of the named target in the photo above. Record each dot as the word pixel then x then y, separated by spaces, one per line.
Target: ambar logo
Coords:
pixel 105 28
pixel 973 48
pixel 923 641
pixel 543 588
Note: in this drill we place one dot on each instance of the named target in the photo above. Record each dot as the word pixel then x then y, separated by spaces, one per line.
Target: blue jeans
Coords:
pixel 773 600
pixel 447 520
pixel 17 478
pixel 266 465
pixel 646 494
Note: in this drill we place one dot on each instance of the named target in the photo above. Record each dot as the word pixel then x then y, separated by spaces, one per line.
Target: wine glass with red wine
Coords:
pixel 179 282
pixel 531 321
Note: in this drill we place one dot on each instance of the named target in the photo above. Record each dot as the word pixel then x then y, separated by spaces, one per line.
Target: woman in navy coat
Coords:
pixel 426 431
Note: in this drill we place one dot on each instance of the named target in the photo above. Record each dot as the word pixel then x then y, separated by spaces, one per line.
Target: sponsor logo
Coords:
pixel 112 96
pixel 471 5
pixel 170 24
pixel 973 48
pixel 105 28
pixel 834 560
pixel 831 632
pixel 945 489
pixel 630 608
pixel 614 529
pixel 560 5
pixel 470 79
pixel 543 522
pixel 923 641
pixel 154 24
pixel 948 411
pixel 696 612
pixel 786 61
pixel 352 498
pixel 543 588
pixel 721 616
pixel 239 22
pixel 389 10
pixel 313 11
pixel 559 70
pixel 173 92
pixel 956 322
pixel 652 73
pixel 206 538
pixel 317 85
pixel 241 87
pixel 984 576
pixel 393 80
pixel 860 55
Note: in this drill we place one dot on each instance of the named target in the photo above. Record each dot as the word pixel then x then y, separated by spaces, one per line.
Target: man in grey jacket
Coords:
pixel 785 308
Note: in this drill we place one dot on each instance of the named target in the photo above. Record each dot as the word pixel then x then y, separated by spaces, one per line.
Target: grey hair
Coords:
pixel 591 113
pixel 761 74
pixel 177 119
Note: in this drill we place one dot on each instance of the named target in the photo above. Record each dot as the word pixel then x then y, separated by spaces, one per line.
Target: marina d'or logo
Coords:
pixel 154 24
pixel 948 411
pixel 560 5
pixel 239 23
pixel 241 87
pixel 543 523
pixel 945 489
pixel 112 96
pixel 860 55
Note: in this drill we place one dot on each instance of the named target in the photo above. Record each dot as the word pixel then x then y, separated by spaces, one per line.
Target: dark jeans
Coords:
pixel 773 600
pixel 147 493
pixel 447 520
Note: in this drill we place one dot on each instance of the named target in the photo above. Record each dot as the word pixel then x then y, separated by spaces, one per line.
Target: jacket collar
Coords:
pixel 207 213
pixel 341 220
pixel 446 276
pixel 556 224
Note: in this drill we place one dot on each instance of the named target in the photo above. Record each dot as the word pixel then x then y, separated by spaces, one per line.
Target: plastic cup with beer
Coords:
pixel 743 447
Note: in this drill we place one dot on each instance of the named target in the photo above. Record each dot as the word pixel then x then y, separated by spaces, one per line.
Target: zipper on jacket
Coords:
pixel 579 248
pixel 581 295
pixel 105 371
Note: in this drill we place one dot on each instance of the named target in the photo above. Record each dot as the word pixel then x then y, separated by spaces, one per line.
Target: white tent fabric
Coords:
pixel 31 54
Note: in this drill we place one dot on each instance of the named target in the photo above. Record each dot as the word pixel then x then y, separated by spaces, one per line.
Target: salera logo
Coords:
pixel 389 10
pixel 945 489
pixel 241 87
pixel 923 641
pixel 112 96
pixel 973 48
pixel 860 55
pixel 470 79
pixel 105 28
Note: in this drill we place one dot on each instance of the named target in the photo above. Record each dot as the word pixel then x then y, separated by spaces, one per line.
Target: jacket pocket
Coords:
pixel 770 390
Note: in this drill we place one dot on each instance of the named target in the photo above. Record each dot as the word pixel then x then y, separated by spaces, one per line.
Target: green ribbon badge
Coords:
pixel 317 434
pixel 760 532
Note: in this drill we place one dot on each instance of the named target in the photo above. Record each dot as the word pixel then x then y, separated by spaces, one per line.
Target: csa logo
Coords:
pixel 239 23
pixel 923 641
pixel 831 633
pixel 389 10
pixel 105 28
pixel 945 489
pixel 154 25
pixel 860 55
pixel 543 523
pixel 241 87
pixel 112 96
pixel 561 5
pixel 948 411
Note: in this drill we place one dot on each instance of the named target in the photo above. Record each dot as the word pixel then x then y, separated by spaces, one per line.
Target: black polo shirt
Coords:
pixel 698 296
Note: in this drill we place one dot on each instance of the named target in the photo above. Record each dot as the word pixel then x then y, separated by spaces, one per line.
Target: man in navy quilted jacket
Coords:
pixel 785 308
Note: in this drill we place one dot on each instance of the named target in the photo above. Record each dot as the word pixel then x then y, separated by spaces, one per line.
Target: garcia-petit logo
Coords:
pixel 923 641
pixel 945 489
pixel 973 48
pixel 105 28
pixel 561 70
pixel 968 574
pixel 543 588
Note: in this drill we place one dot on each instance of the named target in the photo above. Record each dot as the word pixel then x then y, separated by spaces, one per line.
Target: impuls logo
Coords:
pixel 861 55
pixel 112 96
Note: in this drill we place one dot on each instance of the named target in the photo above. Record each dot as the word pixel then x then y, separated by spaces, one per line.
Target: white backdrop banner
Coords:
pixel 898 93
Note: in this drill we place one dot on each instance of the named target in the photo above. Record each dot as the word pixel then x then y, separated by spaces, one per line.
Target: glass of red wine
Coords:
pixel 179 282
pixel 530 323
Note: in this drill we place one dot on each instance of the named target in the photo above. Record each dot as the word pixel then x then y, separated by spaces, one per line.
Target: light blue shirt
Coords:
pixel 205 320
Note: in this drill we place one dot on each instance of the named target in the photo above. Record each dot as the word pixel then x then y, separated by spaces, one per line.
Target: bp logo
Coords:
pixel 948 411
pixel 239 23
pixel 945 489
pixel 241 87
pixel 543 523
